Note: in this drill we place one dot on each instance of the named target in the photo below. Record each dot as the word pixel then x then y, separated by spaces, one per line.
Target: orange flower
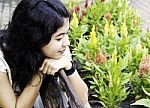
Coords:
pixel 144 67
pixel 100 58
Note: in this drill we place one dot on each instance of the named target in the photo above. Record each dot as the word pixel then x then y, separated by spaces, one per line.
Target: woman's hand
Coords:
pixel 51 66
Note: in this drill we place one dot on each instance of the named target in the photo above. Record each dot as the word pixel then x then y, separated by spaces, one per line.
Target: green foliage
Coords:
pixel 144 101
pixel 110 86
pixel 109 43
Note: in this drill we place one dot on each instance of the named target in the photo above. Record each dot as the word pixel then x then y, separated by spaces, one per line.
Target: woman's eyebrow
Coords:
pixel 61 34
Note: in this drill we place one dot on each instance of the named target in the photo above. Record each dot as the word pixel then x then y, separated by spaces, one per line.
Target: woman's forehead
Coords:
pixel 64 28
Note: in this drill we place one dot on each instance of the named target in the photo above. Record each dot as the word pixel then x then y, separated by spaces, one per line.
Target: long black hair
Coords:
pixel 32 25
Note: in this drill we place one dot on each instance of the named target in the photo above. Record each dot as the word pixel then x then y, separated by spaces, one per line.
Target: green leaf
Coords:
pixel 126 77
pixel 96 81
pixel 145 102
pixel 148 80
pixel 124 63
pixel 84 28
pixel 97 68
pixel 145 91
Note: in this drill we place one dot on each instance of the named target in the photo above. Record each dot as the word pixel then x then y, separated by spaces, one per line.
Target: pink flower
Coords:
pixel 144 67
pixel 100 58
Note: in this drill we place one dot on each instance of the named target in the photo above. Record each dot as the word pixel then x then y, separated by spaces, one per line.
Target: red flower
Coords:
pixel 86 4
pixel 77 9
pixel 82 15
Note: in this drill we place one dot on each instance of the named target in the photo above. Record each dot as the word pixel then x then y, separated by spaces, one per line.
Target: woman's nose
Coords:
pixel 66 41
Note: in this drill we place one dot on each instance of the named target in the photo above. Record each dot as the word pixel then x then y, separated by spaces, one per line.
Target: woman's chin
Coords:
pixel 57 57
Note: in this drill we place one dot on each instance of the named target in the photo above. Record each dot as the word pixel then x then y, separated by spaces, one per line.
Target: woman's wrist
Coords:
pixel 71 70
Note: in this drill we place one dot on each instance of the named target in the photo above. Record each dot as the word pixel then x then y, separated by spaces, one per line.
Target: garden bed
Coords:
pixel 113 51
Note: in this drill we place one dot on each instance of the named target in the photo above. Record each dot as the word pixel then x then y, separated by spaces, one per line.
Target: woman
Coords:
pixel 32 47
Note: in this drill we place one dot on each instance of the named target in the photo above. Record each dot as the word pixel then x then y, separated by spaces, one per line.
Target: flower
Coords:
pixel 74 22
pixel 86 4
pixel 114 56
pixel 106 28
pixel 99 58
pixel 144 67
pixel 82 14
pixel 112 30
pixel 93 39
pixel 108 16
pixel 139 47
pixel 77 9
pixel 124 31
pixel 102 0
pixel 87 56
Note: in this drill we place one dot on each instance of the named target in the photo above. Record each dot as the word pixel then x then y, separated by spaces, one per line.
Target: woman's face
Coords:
pixel 59 41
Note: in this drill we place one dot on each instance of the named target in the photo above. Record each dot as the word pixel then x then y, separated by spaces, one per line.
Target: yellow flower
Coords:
pixel 139 47
pixel 106 28
pixel 74 22
pixel 129 54
pixel 124 31
pixel 112 30
pixel 93 39
pixel 114 56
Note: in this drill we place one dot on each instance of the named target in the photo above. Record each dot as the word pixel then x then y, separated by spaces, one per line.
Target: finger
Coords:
pixel 45 68
pixel 41 68
pixel 49 70
pixel 54 70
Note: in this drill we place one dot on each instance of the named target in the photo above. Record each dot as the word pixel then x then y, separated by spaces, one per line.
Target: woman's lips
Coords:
pixel 61 51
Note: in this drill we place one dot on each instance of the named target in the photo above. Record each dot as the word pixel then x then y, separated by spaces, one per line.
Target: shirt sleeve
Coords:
pixel 3 67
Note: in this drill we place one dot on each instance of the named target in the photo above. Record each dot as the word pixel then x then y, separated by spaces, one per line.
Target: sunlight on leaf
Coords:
pixel 145 102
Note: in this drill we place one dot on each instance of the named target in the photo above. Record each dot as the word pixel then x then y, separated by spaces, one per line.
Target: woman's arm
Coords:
pixel 80 88
pixel 27 97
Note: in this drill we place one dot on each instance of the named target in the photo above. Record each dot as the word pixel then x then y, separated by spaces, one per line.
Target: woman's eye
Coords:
pixel 58 39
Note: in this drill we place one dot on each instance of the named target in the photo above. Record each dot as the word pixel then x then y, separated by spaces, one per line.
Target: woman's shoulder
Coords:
pixel 3 66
